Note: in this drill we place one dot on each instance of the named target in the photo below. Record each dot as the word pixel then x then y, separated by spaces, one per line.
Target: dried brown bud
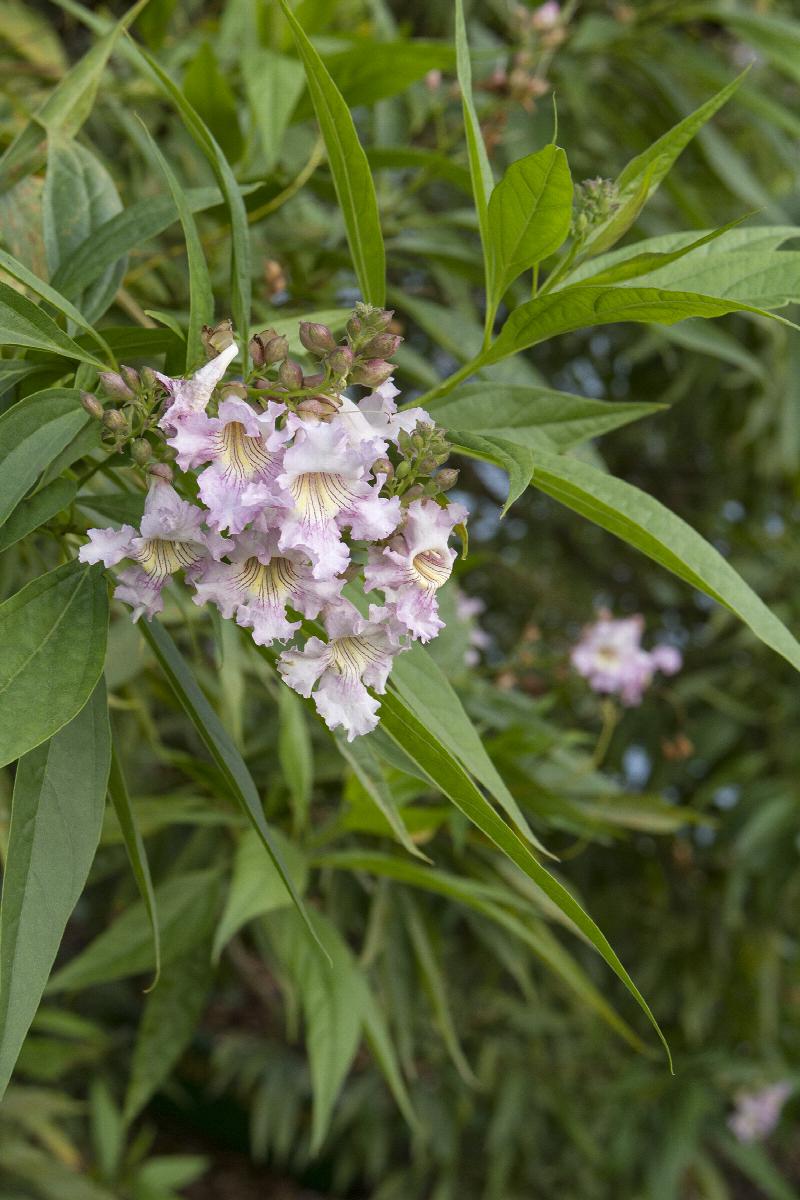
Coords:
pixel 115 385
pixel 447 478
pixel 268 347
pixel 141 451
pixel 316 338
pixel 371 373
pixel 218 337
pixel 290 374
pixel 162 472
pixel 92 405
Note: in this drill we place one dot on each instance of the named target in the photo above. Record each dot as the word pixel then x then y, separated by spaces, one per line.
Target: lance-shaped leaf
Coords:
pixel 479 167
pixel 56 818
pixel 256 887
pixel 137 855
pixel 30 514
pixel 52 648
pixel 221 747
pixel 349 168
pixel 32 434
pixel 646 524
pixel 23 323
pixel 44 290
pixel 450 778
pixel 530 212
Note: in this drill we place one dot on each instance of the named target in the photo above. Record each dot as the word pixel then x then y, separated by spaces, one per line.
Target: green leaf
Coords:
pixel 273 83
pixel 450 778
pixel 349 168
pixel 650 527
pixel 359 756
pixel 66 107
pixel 256 887
pixel 56 817
pixel 52 648
pixel 295 753
pixel 754 277
pixel 366 73
pixel 32 433
pixel 211 96
pixel 23 323
pixel 530 212
pixel 79 197
pixel 187 907
pixel 333 998
pixel 40 508
pixel 221 748
pixel 137 855
pixel 512 457
pixel 13 371
pixel 479 167
pixel 170 1016
pixel 45 292
pixel 634 266
pixel 532 416
pixel 417 158
pixel 201 296
pixel 642 176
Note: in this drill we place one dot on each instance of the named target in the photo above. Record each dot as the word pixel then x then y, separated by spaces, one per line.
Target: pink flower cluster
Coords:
pixel 610 656
pixel 290 507
pixel 757 1113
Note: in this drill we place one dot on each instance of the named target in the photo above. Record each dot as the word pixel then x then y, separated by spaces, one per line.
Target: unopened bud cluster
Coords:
pixel 127 405
pixel 595 201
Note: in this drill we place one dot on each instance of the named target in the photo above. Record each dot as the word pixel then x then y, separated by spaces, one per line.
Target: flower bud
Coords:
pixel 447 479
pixel 218 337
pixel 414 493
pixel 383 466
pixel 92 405
pixel 339 361
pixel 371 373
pixel 291 375
pixel 114 421
pixel 383 345
pixel 141 451
pixel 131 378
pixel 161 471
pixel 149 379
pixel 402 469
pixel 235 391
pixel 268 347
pixel 316 338
pixel 354 329
pixel 319 406
pixel 115 385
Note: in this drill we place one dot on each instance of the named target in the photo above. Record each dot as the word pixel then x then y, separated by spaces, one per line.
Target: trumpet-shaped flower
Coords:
pixel 325 488
pixel 358 654
pixel 170 538
pixel 610 656
pixel 187 396
pixel 415 564
pixel 260 581
pixel 381 413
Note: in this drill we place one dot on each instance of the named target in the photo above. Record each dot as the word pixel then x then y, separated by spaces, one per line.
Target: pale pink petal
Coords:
pixel 346 703
pixel 302 668
pixel 108 546
pixel 141 592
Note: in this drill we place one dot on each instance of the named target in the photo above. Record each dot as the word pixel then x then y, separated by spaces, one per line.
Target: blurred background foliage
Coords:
pixel 677 822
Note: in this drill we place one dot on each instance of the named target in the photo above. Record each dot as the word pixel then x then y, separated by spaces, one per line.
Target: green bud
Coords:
pixel 141 451
pixel 402 469
pixel 92 405
pixel 339 361
pixel 115 422
pixel 290 375
pixel 115 385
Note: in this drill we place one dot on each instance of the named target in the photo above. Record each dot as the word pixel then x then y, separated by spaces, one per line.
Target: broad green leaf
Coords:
pixel 171 1013
pixel 450 778
pixel 753 277
pixel 425 688
pixel 296 754
pixel 187 907
pixel 349 169
pixel 646 524
pixel 514 458
pixel 23 323
pixel 642 176
pixel 13 371
pixel 524 414
pixel 479 167
pixel 32 433
pixel 134 226
pixel 634 266
pixel 41 507
pixel 52 648
pixel 365 73
pixel 66 107
pixel 220 746
pixel 256 887
pixel 273 83
pixel 211 96
pixel 31 35
pixel 137 855
pixel 79 197
pixel 530 212
pixel 489 900
pixel 333 999
pixel 359 756
pixel 56 817
pixel 201 296
pixel 45 292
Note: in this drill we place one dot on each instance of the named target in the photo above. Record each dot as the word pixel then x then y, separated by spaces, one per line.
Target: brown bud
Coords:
pixel 217 338
pixel 339 361
pixel 319 406
pixel 114 421
pixel 383 345
pixel 92 405
pixel 310 381
pixel 446 479
pixel 115 385
pixel 414 493
pixel 162 472
pixel 383 467
pixel 316 338
pixel 371 373
pixel 274 277
pixel 141 451
pixel 290 374
pixel 268 347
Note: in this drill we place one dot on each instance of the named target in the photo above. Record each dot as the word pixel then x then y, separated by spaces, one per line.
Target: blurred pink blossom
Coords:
pixel 757 1113
pixel 609 655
